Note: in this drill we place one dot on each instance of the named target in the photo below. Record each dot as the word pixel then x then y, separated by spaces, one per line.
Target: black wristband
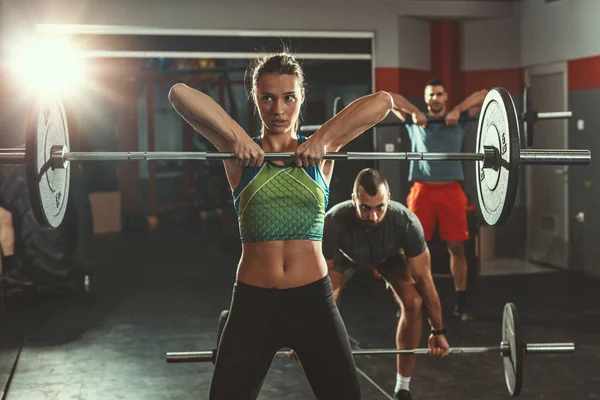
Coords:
pixel 438 331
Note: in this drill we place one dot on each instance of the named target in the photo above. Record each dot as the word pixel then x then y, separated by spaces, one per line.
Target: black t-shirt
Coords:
pixel 400 229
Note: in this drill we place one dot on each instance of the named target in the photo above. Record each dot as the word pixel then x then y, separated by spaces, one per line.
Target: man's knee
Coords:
pixel 5 218
pixel 411 305
pixel 456 249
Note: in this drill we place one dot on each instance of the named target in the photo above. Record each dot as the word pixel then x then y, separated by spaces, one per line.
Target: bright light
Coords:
pixel 47 65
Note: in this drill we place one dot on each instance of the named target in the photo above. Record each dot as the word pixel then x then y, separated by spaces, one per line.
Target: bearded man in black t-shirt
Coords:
pixel 372 231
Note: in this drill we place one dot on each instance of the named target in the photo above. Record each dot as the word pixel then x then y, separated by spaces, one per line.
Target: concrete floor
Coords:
pixel 164 292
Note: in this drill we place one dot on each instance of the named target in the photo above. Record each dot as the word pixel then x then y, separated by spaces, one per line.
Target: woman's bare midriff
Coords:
pixel 281 264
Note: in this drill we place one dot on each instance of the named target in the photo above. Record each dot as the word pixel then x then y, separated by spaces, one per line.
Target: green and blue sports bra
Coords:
pixel 276 202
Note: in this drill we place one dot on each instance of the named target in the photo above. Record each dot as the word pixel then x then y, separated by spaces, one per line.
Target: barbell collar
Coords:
pixel 57 157
pixel 554 115
pixel 491 157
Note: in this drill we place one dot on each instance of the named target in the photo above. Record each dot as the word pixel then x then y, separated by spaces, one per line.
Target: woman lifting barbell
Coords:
pixel 282 296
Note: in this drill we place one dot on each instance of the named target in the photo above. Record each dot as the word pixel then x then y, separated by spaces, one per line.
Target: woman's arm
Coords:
pixel 346 125
pixel 353 120
pixel 206 116
pixel 211 121
pixel 402 107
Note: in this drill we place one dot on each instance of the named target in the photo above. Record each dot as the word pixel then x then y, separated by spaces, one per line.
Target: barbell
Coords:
pixel 529 117
pixel 513 349
pixel 498 158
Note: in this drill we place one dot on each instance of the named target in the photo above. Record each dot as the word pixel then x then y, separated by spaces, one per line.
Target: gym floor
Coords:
pixel 162 292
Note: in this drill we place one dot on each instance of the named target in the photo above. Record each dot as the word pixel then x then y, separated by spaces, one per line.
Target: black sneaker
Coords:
pixel 463 313
pixel 402 395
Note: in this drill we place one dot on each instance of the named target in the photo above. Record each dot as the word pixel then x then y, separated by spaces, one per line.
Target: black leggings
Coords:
pixel 262 321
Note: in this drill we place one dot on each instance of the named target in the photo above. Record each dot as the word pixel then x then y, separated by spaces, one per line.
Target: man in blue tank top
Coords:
pixel 436 194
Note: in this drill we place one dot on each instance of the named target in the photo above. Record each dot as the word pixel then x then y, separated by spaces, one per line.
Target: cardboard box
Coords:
pixel 487 245
pixel 106 211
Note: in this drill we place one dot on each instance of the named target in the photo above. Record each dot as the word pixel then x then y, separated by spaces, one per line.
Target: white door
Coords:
pixel 547 186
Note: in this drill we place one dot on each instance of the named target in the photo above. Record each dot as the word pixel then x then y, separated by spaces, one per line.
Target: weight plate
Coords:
pixel 528 117
pixel 513 361
pixel 498 128
pixel 48 186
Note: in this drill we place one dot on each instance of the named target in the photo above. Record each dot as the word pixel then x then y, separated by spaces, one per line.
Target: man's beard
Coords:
pixel 436 110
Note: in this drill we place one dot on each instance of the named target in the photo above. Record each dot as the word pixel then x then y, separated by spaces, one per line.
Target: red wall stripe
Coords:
pixel 411 82
pixel 387 79
pixel 511 79
pixel 445 64
pixel 584 73
pixel 445 58
pixel 408 82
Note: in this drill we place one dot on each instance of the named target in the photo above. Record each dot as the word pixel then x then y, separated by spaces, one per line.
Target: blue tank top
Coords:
pixel 276 202
pixel 437 137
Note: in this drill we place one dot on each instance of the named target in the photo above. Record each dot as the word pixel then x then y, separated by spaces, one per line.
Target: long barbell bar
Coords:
pixel 549 157
pixel 534 156
pixel 503 350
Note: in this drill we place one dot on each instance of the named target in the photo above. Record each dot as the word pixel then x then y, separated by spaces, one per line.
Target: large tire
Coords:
pixel 47 254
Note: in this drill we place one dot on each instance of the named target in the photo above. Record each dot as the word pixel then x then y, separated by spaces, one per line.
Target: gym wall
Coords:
pixel 568 31
pixel 490 57
pixel 558 31
pixel 538 35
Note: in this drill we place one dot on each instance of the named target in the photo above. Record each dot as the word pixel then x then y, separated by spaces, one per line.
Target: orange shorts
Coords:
pixel 445 203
